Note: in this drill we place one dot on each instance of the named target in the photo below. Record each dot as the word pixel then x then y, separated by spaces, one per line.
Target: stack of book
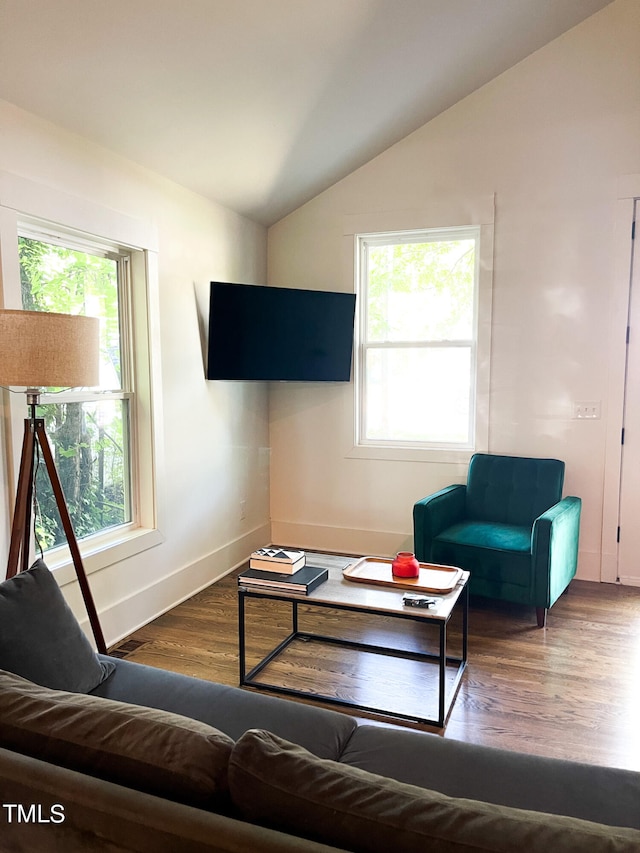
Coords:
pixel 276 568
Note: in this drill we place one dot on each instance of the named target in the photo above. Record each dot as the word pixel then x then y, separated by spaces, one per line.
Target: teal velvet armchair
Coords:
pixel 509 526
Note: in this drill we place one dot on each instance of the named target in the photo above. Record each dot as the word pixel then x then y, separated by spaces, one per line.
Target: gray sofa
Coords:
pixel 299 778
pixel 102 754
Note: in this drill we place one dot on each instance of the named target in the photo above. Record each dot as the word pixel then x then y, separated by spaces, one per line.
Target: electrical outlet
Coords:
pixel 587 410
pixel 243 510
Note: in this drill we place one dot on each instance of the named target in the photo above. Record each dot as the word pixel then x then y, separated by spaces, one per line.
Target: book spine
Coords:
pixel 276 587
pixel 317 581
pixel 275 566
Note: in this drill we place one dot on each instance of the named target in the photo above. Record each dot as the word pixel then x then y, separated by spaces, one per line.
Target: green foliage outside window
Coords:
pixel 418 338
pixel 421 290
pixel 89 438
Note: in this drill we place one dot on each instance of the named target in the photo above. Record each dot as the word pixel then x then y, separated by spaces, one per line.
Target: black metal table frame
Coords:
pixel 248 679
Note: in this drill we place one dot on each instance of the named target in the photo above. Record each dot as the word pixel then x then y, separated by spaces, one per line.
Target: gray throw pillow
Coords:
pixel 40 638
pixel 154 751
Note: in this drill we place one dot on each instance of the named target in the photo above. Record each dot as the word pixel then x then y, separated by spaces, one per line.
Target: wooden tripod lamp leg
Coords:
pixel 70 534
pixel 21 526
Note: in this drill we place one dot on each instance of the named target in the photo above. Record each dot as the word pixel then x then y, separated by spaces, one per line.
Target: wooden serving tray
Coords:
pixel 377 571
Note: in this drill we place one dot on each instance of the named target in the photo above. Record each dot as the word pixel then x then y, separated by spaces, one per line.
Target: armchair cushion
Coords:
pixel 488 534
pixel 496 572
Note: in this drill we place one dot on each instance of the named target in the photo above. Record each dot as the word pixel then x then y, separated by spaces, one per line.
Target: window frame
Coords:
pixel 28 209
pixel 45 233
pixel 393 238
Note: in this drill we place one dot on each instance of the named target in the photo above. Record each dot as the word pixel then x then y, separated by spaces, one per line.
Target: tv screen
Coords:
pixel 279 334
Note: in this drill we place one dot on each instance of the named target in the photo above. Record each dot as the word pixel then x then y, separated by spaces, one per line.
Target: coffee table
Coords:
pixel 338 594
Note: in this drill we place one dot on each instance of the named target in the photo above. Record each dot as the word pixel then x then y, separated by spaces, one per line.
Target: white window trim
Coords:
pixel 444 216
pixel 22 200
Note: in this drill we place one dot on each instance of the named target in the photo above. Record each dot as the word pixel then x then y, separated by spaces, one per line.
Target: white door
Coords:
pixel 629 519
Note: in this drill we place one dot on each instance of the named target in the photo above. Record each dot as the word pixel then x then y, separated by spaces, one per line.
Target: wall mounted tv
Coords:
pixel 279 334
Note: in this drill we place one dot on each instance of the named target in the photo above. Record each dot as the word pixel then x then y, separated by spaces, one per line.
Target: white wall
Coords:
pixel 214 435
pixel 551 138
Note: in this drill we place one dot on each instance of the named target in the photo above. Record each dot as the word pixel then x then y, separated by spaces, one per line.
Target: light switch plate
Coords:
pixel 587 410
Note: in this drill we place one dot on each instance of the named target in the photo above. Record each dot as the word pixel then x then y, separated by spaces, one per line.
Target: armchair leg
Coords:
pixel 541 615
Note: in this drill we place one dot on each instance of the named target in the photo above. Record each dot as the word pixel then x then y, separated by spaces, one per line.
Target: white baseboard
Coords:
pixel 340 540
pixel 629 581
pixel 122 617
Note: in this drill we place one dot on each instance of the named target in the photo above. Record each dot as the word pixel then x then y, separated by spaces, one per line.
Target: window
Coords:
pixel 62 253
pixel 89 429
pixel 418 338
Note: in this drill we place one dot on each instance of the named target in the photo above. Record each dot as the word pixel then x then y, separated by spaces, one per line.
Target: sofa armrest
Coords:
pixel 555 549
pixel 433 514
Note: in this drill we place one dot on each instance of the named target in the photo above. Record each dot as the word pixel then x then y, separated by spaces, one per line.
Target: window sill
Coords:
pixel 410 454
pixel 103 551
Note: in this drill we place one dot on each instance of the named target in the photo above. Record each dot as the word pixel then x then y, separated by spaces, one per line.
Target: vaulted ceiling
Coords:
pixel 261 104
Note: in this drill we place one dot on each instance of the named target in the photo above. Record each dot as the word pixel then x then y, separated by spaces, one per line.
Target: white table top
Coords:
pixel 336 590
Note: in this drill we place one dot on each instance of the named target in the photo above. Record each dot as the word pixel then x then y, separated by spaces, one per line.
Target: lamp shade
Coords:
pixel 41 350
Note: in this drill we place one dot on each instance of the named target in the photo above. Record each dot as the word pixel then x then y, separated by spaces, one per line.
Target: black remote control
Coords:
pixel 413 599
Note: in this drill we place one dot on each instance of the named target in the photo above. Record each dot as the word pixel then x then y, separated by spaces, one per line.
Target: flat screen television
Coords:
pixel 279 334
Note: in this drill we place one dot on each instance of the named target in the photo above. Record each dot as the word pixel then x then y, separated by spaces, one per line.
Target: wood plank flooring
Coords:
pixel 571 690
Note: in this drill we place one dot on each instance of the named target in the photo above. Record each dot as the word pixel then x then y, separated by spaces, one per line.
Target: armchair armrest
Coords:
pixel 555 549
pixel 433 514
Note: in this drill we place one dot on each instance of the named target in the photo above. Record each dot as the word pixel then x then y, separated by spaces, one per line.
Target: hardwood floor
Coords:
pixel 571 690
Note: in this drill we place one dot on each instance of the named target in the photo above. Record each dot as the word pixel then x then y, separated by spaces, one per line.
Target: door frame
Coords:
pixel 628 193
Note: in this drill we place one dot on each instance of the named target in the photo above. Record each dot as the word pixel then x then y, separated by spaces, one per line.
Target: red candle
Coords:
pixel 405 565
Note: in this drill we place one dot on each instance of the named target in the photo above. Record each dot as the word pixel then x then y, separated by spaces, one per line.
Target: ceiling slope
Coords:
pixel 261 104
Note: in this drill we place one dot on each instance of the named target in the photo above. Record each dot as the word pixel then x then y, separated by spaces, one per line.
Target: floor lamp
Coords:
pixel 38 350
